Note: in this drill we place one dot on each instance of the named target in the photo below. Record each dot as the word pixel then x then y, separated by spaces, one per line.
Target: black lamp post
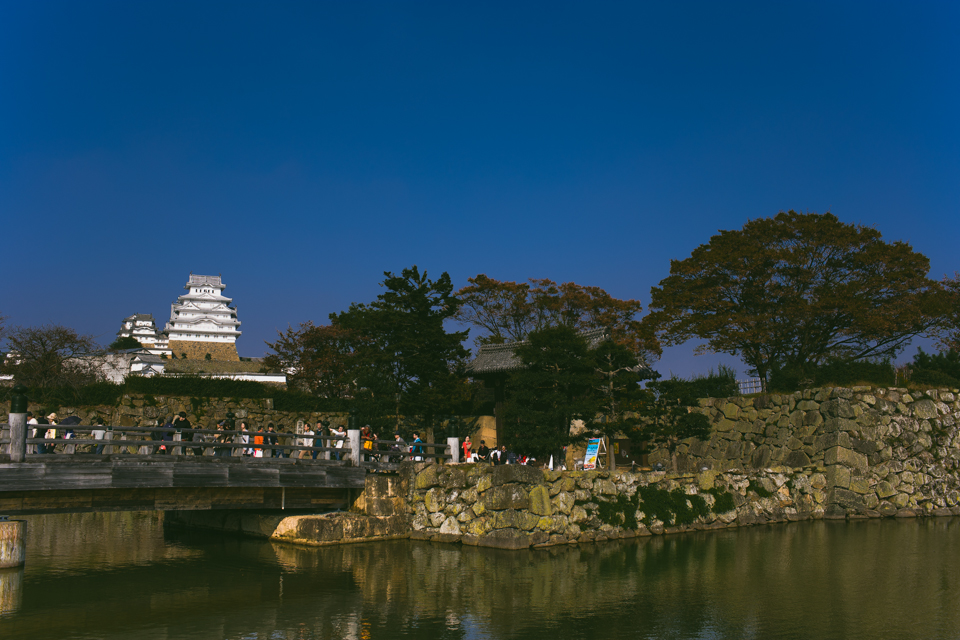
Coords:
pixel 18 401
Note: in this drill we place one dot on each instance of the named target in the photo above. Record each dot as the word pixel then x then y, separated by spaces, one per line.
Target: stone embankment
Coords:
pixel 823 453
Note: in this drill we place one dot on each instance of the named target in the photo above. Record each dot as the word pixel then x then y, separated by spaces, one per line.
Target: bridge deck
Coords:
pixel 51 483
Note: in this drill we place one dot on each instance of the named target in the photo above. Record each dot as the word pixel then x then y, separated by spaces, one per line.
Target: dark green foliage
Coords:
pixel 834 373
pixel 673 508
pixel 557 385
pixel 619 512
pixel 723 500
pixel 405 362
pixel 100 393
pixel 670 507
pixel 109 394
pixel 621 393
pixel 758 489
pixel 936 370
pixel 667 419
pixel 125 343
pixel 719 384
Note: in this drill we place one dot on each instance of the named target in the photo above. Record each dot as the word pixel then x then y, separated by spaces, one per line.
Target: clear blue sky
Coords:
pixel 302 148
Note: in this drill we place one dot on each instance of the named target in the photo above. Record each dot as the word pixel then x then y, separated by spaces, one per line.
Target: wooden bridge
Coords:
pixel 134 469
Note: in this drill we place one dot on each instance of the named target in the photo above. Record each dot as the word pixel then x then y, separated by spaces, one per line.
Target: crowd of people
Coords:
pixel 274 442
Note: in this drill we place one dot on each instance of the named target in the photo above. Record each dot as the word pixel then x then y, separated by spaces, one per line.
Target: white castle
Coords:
pixel 140 326
pixel 202 321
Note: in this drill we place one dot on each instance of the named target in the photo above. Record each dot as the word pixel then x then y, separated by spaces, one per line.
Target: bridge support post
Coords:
pixel 454 445
pixel 353 440
pixel 13 543
pixel 18 424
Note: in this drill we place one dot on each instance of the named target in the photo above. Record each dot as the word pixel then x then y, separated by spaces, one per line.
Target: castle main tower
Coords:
pixel 203 322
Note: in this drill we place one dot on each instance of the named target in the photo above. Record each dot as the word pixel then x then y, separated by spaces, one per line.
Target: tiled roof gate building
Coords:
pixel 495 361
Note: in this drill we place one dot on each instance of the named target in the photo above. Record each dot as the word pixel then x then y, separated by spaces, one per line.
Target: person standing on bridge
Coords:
pixel 245 438
pixel 31 448
pixel 258 439
pixel 307 442
pixel 272 439
pixel 51 433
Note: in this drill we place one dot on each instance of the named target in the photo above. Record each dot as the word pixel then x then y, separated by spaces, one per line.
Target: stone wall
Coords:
pixel 861 426
pixel 821 453
pixel 196 350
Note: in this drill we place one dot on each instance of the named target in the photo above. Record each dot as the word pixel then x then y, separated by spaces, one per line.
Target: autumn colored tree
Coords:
pixel 510 311
pixel 798 289
pixel 406 363
pixel 318 359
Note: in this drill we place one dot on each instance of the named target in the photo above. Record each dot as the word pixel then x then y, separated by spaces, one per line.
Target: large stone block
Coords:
pixel 838 476
pixel 509 496
pixel 925 409
pixel 435 500
pixel 540 503
pixel 563 502
pixel 427 478
pixel 844 456
pixel 454 478
pixel 796 459
pixel 508 473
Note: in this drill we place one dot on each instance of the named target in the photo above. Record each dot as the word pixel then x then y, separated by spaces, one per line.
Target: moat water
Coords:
pixel 126 575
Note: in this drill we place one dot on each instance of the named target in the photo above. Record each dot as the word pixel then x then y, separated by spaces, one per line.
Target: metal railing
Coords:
pixel 88 441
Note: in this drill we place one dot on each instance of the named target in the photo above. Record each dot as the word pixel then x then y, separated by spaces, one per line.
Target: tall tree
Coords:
pixel 950 340
pixel 510 311
pixel 52 356
pixel 558 384
pixel 406 362
pixel 318 359
pixel 620 393
pixel 797 289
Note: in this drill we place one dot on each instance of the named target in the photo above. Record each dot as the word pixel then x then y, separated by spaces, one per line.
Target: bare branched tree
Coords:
pixel 52 356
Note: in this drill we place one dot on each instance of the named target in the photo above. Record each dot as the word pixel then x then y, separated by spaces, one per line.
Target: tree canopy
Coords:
pixel 405 363
pixel 52 356
pixel 318 359
pixel 510 311
pixel 558 384
pixel 950 340
pixel 126 342
pixel 798 289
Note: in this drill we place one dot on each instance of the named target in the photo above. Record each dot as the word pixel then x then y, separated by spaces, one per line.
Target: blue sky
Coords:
pixel 302 149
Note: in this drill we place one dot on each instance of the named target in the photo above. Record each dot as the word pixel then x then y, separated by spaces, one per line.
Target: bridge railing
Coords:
pixel 113 440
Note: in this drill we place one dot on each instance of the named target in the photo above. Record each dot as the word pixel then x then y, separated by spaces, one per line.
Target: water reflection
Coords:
pixel 119 575
pixel 11 590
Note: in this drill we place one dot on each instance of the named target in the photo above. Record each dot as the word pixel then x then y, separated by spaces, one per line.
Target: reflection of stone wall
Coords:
pixel 198 350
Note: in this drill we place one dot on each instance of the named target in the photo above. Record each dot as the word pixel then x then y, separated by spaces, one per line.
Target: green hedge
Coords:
pixel 936 370
pixel 836 373
pixel 106 393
